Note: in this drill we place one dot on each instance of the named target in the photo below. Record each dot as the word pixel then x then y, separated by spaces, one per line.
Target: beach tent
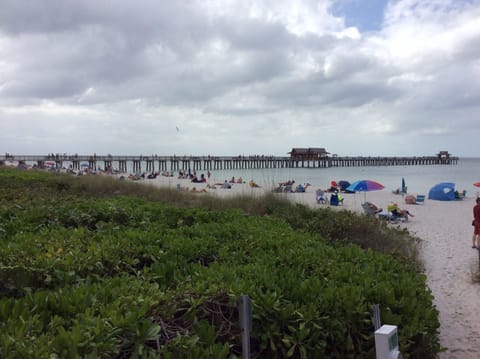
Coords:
pixel 444 191
pixel 343 185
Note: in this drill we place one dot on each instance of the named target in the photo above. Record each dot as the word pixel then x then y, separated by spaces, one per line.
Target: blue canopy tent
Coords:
pixel 343 185
pixel 444 191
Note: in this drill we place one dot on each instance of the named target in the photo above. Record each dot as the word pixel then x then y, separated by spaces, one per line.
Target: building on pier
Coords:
pixel 308 154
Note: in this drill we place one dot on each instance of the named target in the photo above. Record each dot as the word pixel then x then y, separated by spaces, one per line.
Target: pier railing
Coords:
pixel 140 163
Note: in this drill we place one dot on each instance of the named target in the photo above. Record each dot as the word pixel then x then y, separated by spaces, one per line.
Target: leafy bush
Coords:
pixel 118 276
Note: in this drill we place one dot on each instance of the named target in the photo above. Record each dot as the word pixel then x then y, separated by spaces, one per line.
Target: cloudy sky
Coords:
pixel 228 77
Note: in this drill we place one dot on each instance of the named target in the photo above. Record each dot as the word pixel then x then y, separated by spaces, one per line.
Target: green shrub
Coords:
pixel 109 275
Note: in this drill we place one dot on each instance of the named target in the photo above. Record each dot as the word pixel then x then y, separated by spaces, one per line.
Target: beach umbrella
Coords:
pixel 403 185
pixel 477 184
pixel 444 191
pixel 343 185
pixel 365 186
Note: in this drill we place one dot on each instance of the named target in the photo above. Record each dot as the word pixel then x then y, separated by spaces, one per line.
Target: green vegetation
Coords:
pixel 96 267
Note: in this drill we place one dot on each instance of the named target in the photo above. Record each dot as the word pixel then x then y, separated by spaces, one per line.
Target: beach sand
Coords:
pixel 450 262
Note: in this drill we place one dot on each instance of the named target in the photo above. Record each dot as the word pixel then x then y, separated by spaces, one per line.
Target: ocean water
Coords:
pixel 418 179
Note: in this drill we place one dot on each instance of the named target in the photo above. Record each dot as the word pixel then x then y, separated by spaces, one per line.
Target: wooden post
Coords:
pixel 245 311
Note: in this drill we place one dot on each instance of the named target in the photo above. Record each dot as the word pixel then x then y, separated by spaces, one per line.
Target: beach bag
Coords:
pixel 334 200
pixel 410 199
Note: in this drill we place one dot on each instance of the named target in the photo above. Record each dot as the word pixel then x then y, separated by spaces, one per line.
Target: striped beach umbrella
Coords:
pixel 365 186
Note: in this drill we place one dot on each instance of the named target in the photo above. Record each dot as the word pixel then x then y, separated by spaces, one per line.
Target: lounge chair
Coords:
pixel 460 195
pixel 420 199
pixel 402 190
pixel 370 209
pixel 390 217
pixel 397 214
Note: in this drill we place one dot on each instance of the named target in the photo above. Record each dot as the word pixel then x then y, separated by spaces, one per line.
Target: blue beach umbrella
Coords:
pixel 444 191
pixel 365 186
pixel 403 185
pixel 343 185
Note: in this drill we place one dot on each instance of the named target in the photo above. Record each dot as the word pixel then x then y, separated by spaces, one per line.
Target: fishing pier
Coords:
pixel 297 159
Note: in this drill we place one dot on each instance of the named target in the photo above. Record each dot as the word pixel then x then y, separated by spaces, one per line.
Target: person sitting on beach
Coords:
pixel 320 196
pixel 460 195
pixel 300 188
pixel 398 212
pixel 240 180
pixel 253 184
pixel 333 187
pixel 336 199
pixel 285 186
pixel 232 180
pixel 288 183
pixel 226 185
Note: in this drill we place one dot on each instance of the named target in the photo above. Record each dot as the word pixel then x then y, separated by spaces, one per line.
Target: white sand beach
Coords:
pixel 446 232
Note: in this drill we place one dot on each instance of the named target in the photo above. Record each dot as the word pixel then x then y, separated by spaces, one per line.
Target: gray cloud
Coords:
pixel 273 72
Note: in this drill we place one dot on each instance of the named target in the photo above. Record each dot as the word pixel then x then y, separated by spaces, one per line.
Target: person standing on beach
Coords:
pixel 476 224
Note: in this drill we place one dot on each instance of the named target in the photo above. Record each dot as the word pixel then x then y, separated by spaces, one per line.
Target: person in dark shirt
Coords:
pixel 476 225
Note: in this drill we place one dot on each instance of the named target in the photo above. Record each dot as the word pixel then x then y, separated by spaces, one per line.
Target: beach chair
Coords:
pixel 394 215
pixel 460 195
pixel 370 209
pixel 320 196
pixel 388 216
pixel 420 199
pixel 401 191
